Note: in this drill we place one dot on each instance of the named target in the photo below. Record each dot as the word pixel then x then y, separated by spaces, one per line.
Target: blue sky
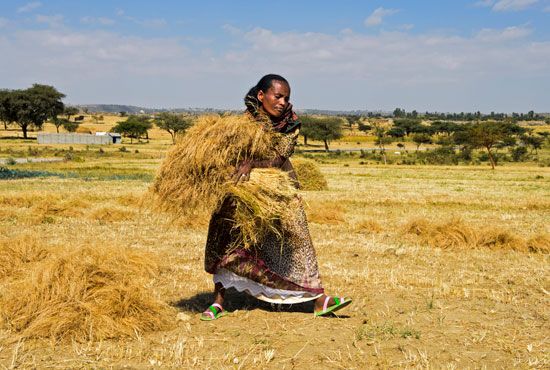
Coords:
pixel 488 55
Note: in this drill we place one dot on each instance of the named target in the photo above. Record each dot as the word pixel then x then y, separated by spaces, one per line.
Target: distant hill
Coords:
pixel 132 109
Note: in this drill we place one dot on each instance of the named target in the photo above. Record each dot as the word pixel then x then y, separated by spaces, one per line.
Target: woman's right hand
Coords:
pixel 242 171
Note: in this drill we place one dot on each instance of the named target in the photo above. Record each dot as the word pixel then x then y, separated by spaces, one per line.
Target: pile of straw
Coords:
pixel 309 175
pixel 88 293
pixel 196 175
pixel 457 234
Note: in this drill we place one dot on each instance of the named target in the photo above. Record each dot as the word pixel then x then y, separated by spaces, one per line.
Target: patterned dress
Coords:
pixel 280 270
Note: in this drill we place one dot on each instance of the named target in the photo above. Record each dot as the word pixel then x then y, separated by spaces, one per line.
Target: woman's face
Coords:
pixel 275 99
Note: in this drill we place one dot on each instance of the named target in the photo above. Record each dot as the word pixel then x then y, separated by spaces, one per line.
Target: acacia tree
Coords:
pixel 70 126
pixel 409 125
pixel 324 129
pixel 33 106
pixel 135 127
pixel 175 124
pixel 70 111
pixel 488 135
pixel 530 140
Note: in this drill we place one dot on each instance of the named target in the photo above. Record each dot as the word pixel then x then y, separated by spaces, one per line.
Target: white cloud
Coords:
pixel 546 9
pixel 512 5
pixel 376 18
pixel 484 3
pixel 29 7
pixel 99 20
pixel 406 27
pixel 232 30
pixel 507 34
pixel 342 71
pixel 4 22
pixel 50 20
pixel 152 23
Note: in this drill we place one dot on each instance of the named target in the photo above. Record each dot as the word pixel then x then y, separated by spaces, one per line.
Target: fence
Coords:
pixel 44 138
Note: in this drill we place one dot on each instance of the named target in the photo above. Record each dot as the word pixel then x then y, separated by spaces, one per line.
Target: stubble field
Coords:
pixel 447 266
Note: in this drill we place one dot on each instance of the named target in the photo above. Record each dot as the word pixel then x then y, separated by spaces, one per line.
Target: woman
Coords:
pixel 277 272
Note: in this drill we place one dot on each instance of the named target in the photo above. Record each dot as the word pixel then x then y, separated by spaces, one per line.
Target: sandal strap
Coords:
pixel 209 313
pixel 218 306
pixel 325 305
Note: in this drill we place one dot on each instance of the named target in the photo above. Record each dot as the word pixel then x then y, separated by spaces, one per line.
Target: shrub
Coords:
pixel 442 155
pixel 10 161
pixel 519 153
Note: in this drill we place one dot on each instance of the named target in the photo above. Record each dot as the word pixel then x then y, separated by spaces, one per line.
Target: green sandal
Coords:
pixel 340 303
pixel 214 312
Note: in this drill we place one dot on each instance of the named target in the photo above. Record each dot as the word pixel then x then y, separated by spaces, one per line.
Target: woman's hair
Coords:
pixel 251 98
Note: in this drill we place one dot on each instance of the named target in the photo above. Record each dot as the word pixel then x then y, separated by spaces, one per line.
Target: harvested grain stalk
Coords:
pixel 195 174
pixel 195 178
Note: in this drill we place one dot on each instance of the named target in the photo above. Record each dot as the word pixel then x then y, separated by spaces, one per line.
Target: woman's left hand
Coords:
pixel 242 172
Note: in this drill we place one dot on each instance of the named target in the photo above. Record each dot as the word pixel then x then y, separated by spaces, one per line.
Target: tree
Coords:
pixel 398 112
pixel 7 111
pixel 33 106
pixel 535 142
pixel 324 129
pixel 409 125
pixel 382 139
pixel 175 124
pixel 353 120
pixel 364 127
pixel 488 135
pixel 70 111
pixel 58 122
pixel 70 126
pixel 444 127
pixel 421 138
pixel 397 132
pixel 134 127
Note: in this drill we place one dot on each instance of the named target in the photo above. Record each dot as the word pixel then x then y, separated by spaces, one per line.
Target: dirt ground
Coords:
pixel 414 305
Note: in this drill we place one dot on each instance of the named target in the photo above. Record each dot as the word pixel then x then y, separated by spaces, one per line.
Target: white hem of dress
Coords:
pixel 231 280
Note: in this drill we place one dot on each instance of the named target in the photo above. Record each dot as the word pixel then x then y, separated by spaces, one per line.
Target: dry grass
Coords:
pixel 309 175
pixel 80 293
pixel 330 213
pixel 414 305
pixel 111 214
pixel 368 226
pixel 457 234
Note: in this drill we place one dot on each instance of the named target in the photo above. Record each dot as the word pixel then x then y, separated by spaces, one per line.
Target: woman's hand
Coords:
pixel 242 171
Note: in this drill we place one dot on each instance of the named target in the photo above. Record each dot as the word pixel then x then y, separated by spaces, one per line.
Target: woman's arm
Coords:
pixel 242 171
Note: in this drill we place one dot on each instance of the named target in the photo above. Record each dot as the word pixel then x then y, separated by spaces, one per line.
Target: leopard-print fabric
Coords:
pixel 286 263
pixel 285 143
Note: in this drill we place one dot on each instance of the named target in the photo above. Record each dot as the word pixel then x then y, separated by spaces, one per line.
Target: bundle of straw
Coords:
pixel 263 205
pixel 89 293
pixel 196 175
pixel 309 175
